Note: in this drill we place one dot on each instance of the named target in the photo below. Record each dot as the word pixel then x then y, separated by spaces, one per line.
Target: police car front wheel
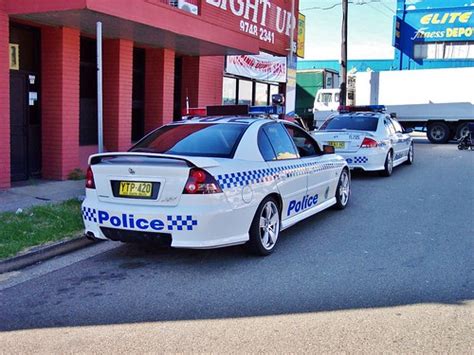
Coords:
pixel 343 191
pixel 265 228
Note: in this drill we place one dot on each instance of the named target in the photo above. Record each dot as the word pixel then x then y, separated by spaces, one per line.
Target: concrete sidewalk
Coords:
pixel 40 192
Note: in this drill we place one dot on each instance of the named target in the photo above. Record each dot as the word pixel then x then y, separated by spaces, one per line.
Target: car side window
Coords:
pixel 397 125
pixel 280 141
pixel 306 145
pixel 389 127
pixel 265 146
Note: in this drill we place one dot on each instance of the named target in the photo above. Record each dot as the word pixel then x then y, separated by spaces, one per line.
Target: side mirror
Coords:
pixel 328 149
pixel 408 130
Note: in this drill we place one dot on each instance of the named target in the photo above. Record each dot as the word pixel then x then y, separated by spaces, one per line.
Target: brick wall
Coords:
pixel 211 70
pixel 4 102
pixel 60 49
pixel 118 83
pixel 202 81
pixel 159 87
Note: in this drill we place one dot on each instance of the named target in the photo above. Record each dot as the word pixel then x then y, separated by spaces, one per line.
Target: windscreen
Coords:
pixel 357 123
pixel 200 139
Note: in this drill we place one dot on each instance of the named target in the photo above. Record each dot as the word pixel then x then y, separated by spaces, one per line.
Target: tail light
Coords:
pixel 369 143
pixel 90 183
pixel 201 182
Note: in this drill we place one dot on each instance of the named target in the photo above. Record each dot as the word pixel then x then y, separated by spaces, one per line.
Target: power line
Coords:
pixel 379 11
pixel 357 2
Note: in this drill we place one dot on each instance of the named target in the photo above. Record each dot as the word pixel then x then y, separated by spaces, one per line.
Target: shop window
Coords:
pixel 273 91
pixel 261 94
pixel 459 50
pixel 444 50
pixel 88 93
pixel 245 92
pixel 229 94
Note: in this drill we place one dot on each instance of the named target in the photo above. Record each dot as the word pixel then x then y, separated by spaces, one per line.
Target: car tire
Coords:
pixel 343 190
pixel 388 166
pixel 411 155
pixel 438 133
pixel 265 228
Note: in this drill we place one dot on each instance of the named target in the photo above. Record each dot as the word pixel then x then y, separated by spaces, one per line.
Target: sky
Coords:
pixel 370 27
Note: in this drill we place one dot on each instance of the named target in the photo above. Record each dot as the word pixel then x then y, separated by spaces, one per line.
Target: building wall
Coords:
pixel 60 49
pixel 4 101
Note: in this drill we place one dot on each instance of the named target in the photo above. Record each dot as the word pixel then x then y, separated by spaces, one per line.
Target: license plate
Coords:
pixel 135 189
pixel 336 144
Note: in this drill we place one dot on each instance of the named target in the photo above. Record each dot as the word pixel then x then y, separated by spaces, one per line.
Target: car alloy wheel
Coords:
pixel 390 162
pixel 269 225
pixel 344 188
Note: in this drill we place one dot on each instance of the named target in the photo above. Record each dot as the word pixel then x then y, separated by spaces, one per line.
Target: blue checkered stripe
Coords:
pixel 89 214
pixel 357 160
pixel 179 223
pixel 244 178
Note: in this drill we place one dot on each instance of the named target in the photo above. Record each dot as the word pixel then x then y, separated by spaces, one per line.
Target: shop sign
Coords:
pixel 260 67
pixel 454 25
pixel 301 33
pixel 260 18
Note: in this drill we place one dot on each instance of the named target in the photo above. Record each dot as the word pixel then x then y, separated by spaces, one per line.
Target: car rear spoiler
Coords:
pixel 201 162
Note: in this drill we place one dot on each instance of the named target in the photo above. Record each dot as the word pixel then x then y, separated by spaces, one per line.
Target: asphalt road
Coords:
pixel 392 272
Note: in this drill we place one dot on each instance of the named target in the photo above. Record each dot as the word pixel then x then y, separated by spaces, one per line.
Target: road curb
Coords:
pixel 43 253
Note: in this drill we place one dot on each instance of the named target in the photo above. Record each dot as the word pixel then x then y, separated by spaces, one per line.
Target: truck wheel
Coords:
pixel 438 133
pixel 462 130
pixel 388 167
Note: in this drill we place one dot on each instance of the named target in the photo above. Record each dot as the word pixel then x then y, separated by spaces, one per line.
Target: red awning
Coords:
pixel 147 22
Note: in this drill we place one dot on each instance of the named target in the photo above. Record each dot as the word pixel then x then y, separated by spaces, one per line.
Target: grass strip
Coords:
pixel 38 225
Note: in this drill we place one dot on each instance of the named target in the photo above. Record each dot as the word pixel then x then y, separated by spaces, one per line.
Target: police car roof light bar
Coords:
pixel 367 108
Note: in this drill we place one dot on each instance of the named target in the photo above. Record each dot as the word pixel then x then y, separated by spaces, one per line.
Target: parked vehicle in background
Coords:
pixel 441 100
pixel 368 140
pixel 308 83
pixel 438 100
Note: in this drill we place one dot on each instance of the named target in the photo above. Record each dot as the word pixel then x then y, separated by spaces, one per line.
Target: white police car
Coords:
pixel 369 140
pixel 213 182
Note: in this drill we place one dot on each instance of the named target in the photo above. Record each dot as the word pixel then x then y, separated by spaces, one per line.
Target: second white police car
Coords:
pixel 367 138
pixel 213 182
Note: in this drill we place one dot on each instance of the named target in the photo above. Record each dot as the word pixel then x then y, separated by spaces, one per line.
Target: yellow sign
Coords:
pixel 448 17
pixel 14 56
pixel 301 30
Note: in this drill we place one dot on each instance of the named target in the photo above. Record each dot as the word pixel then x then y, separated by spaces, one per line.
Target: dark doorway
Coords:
pixel 25 112
pixel 88 93
pixel 138 94
pixel 178 75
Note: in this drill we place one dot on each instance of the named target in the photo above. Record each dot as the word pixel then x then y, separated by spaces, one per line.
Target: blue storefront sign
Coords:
pixel 455 24
pixel 419 22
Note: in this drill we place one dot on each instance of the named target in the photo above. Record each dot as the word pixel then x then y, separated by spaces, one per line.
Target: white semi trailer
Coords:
pixel 442 100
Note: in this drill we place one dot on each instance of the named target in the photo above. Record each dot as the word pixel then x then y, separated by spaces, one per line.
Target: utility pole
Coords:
pixel 100 133
pixel 343 86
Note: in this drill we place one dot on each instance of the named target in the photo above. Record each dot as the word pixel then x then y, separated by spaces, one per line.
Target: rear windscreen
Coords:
pixel 358 123
pixel 200 139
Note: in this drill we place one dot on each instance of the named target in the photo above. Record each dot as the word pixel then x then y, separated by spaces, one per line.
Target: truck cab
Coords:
pixel 326 100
